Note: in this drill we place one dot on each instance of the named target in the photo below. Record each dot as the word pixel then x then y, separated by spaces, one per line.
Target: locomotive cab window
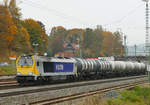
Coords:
pixel 25 61
pixel 48 67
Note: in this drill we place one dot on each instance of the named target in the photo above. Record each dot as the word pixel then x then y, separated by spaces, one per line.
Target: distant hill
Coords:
pixel 140 50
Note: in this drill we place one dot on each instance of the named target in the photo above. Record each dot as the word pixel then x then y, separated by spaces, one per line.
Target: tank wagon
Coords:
pixel 48 69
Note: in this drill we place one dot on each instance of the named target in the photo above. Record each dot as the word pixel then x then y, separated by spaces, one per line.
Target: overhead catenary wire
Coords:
pixel 73 19
pixel 125 16
pixel 56 13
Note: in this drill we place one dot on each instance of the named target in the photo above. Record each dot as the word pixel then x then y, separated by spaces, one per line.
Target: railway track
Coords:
pixel 35 89
pixel 84 94
pixel 51 93
pixel 8 84
pixel 5 78
pixel 12 84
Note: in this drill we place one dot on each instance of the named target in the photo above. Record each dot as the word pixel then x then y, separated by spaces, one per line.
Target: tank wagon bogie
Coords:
pixel 50 69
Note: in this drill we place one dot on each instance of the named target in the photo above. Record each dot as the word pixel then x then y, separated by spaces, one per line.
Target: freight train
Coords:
pixel 48 69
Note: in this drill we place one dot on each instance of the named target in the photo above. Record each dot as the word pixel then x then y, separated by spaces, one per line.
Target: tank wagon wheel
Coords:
pixel 69 78
pixel 80 77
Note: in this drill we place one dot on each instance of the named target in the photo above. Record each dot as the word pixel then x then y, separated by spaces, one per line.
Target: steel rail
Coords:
pixel 7 75
pixel 85 94
pixel 12 84
pixel 8 82
pixel 65 86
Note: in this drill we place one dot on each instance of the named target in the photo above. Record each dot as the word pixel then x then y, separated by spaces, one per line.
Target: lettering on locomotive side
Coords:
pixel 59 67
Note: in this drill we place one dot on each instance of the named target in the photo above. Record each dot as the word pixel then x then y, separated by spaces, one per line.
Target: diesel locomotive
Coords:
pixel 46 69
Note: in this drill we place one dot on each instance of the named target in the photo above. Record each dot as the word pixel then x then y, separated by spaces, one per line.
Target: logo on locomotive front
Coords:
pixel 59 67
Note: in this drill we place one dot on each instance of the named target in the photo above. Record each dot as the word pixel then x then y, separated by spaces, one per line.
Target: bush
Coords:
pixel 10 69
pixel 137 96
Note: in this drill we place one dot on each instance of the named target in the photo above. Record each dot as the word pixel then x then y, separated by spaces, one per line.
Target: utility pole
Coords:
pixel 147 43
pixel 80 47
pixel 135 49
pixel 125 45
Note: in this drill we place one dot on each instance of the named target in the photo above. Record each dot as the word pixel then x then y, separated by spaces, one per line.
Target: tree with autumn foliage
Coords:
pixel 108 44
pixel 38 36
pixel 118 47
pixel 28 36
pixel 7 31
pixel 19 36
pixel 75 36
pixel 21 43
pixel 112 44
pixel 92 42
pixel 57 40
pixel 14 11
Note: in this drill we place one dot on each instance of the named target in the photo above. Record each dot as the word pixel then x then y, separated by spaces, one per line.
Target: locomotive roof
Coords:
pixel 53 59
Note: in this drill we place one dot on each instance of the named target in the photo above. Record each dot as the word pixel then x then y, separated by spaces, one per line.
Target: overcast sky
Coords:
pixel 127 15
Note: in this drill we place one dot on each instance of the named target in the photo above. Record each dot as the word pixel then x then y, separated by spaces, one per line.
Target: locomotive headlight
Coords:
pixel 18 73
pixel 30 73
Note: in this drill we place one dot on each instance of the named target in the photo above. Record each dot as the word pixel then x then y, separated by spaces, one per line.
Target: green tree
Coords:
pixel 98 41
pixel 88 41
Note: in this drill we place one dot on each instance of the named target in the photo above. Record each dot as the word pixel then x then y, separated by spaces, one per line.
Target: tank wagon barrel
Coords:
pixel 117 68
pixel 41 68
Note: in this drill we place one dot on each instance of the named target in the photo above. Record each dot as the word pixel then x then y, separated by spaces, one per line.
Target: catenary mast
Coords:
pixel 147 42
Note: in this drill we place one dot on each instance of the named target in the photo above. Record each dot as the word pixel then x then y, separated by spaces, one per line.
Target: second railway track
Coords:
pixel 8 84
pixel 35 94
pixel 84 94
